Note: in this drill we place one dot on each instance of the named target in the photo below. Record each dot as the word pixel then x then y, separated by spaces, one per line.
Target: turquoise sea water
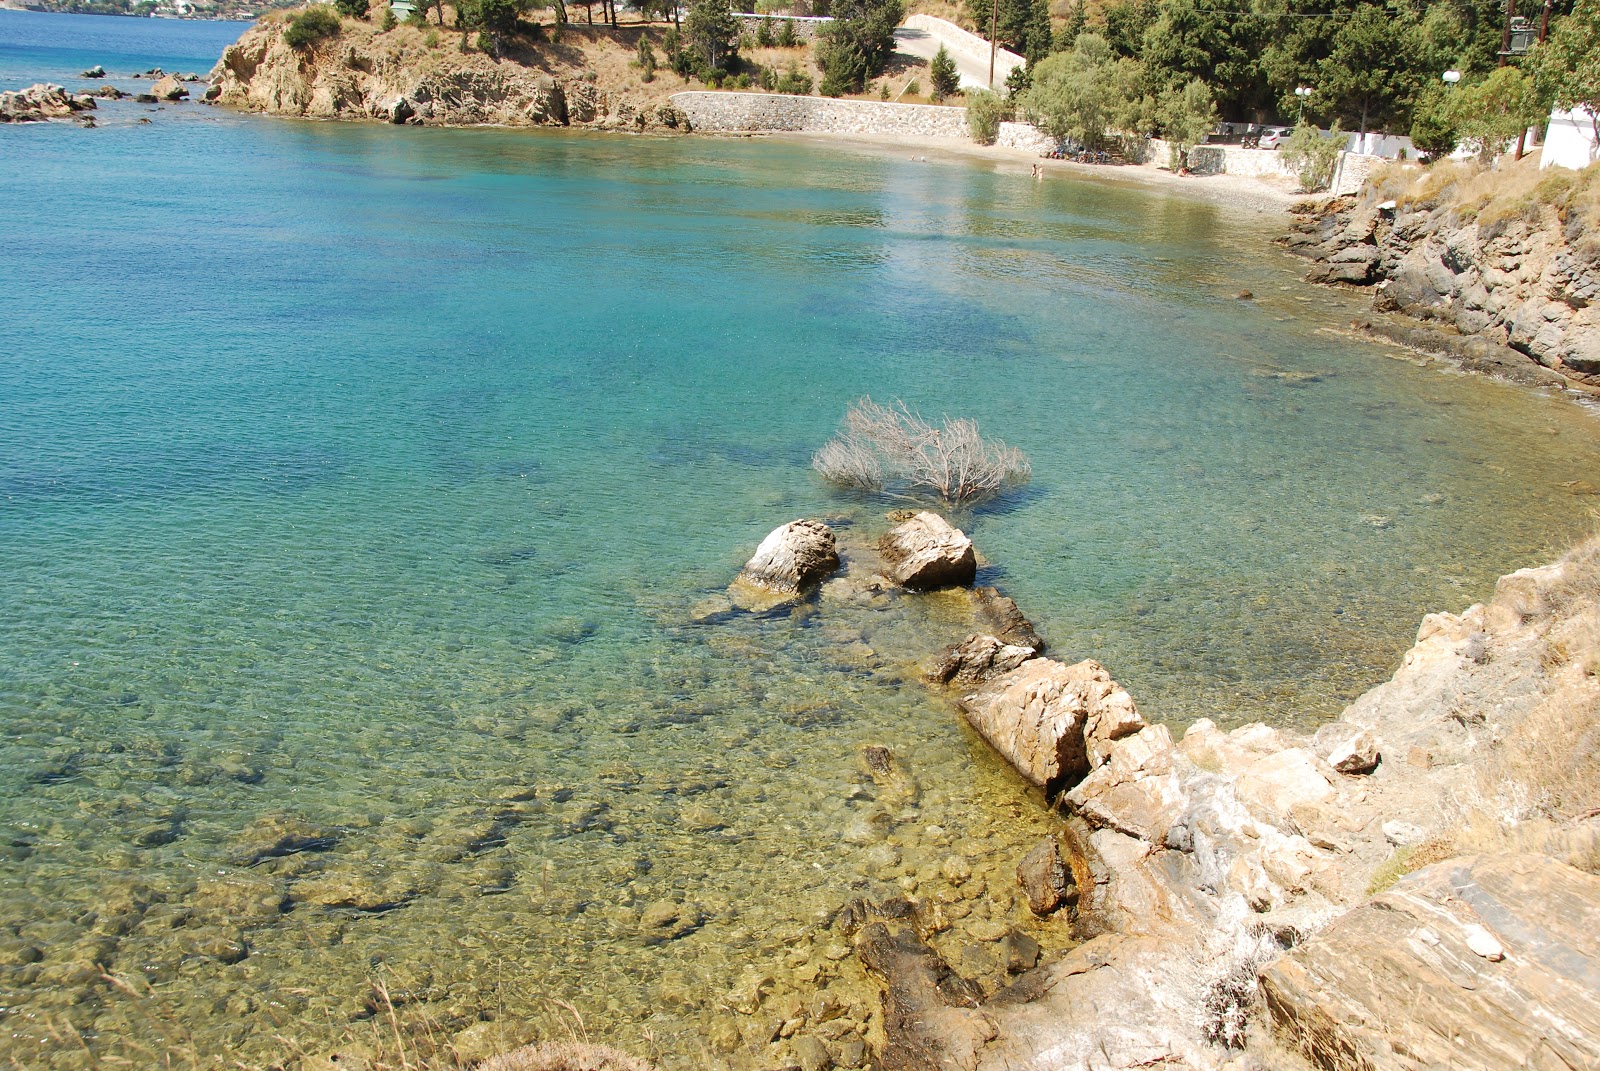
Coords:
pixel 356 485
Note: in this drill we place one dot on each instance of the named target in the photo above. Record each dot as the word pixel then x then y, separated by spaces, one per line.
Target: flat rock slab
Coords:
pixel 1411 979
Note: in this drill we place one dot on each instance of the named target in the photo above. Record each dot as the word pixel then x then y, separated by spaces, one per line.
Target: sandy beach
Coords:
pixel 1253 196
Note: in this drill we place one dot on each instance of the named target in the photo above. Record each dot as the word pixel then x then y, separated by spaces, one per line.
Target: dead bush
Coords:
pixel 891 448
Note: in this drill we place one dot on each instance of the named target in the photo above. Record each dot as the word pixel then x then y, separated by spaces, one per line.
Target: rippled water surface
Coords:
pixel 357 485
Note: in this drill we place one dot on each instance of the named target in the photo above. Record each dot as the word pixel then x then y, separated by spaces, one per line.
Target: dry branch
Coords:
pixel 892 448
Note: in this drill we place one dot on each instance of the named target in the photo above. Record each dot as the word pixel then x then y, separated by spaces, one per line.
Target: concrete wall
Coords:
pixel 1352 171
pixel 805 28
pixel 729 113
pixel 1570 141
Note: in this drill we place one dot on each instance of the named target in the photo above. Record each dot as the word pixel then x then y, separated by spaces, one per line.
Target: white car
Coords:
pixel 1274 136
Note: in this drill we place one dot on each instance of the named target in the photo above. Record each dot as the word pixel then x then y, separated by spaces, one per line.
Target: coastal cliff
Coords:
pixel 1497 270
pixel 425 76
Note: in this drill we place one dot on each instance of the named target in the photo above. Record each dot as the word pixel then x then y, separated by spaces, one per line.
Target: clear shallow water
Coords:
pixel 356 485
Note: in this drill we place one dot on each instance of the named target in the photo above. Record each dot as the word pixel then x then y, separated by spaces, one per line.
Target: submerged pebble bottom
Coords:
pixel 652 855
pixel 358 487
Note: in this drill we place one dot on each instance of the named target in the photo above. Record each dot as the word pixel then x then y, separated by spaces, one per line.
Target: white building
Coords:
pixel 1571 140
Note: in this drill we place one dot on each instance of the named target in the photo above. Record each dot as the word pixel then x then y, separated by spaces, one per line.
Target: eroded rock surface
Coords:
pixel 1475 962
pixel 927 551
pixel 791 560
pixel 41 102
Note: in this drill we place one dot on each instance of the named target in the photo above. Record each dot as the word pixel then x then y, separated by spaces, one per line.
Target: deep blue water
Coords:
pixel 364 478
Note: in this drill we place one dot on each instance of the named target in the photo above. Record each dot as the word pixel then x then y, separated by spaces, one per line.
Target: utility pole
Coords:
pixel 1544 23
pixel 994 22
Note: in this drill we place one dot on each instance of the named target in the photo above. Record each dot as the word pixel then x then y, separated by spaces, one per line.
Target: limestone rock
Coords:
pixel 1275 784
pixel 976 659
pixel 1398 984
pixel 169 88
pixel 41 101
pixel 564 1056
pixel 792 559
pixel 1037 716
pixel 96 71
pixel 1044 878
pixel 401 111
pixel 928 552
pixel 1350 749
pixel 1136 790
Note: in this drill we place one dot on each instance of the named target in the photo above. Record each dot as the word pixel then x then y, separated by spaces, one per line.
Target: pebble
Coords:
pixel 1483 943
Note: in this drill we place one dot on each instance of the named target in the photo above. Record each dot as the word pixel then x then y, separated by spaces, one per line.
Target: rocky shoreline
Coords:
pixel 398 76
pixel 1242 898
pixel 1510 296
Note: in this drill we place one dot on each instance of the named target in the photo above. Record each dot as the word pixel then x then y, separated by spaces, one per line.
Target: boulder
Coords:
pixel 1476 962
pixel 928 552
pixel 1273 785
pixel 109 93
pixel 976 659
pixel 1350 749
pixel 930 1013
pixel 401 111
pixel 39 102
pixel 790 561
pixel 169 88
pixel 1045 878
pixel 1136 790
pixel 96 71
pixel 1037 716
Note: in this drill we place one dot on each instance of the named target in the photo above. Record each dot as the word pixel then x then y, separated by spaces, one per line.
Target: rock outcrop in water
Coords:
pixel 927 551
pixel 397 76
pixel 1222 881
pixel 41 102
pixel 792 560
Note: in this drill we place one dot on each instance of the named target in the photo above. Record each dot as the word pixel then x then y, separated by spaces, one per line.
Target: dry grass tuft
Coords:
pixel 564 1056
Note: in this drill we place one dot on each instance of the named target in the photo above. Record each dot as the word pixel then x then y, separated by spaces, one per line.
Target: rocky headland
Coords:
pixel 431 76
pixel 1413 886
pixel 1495 270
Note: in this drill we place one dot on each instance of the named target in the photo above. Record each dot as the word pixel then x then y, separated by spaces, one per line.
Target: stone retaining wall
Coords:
pixel 1024 136
pixel 730 113
pixel 806 28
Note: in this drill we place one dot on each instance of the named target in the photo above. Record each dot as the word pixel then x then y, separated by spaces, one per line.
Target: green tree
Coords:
pixel 1186 114
pixel 985 111
pixel 1494 111
pixel 1567 63
pixel 1313 155
pixel 1125 23
pixel 312 25
pixel 1079 95
pixel 711 34
pixel 764 36
pixel 856 46
pixel 645 57
pixel 943 75
pixel 354 9
pixel 388 20
pixel 1433 124
pixel 1218 42
pixel 1368 75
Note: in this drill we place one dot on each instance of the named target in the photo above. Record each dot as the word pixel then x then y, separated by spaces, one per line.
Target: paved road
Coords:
pixel 922 35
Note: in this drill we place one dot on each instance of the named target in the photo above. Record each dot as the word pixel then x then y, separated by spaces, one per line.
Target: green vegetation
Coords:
pixel 1080 94
pixel 943 76
pixel 312 25
pixel 1367 65
pixel 710 38
pixel 1313 155
pixel 1185 114
pixel 645 59
pixel 985 110
pixel 387 21
pixel 786 37
pixel 794 82
pixel 351 9
pixel 764 36
pixel 856 46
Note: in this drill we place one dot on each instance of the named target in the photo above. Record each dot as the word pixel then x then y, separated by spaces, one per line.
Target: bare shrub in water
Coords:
pixel 892 448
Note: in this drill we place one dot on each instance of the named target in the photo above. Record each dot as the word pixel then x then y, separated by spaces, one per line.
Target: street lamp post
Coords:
pixel 1451 77
pixel 1302 92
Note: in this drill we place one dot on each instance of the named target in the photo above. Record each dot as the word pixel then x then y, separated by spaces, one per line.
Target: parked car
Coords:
pixel 1274 137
